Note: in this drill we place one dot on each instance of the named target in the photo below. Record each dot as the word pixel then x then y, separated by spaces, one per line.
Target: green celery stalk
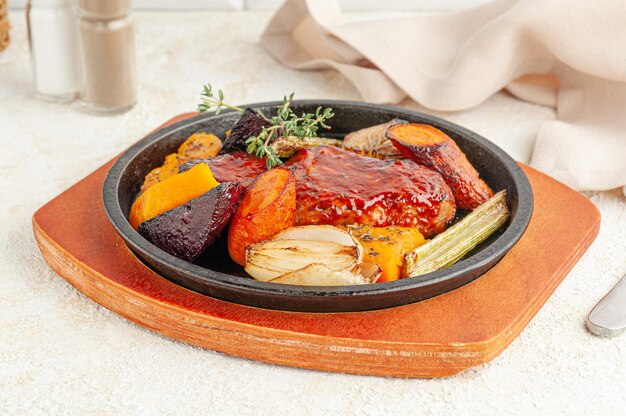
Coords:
pixel 451 245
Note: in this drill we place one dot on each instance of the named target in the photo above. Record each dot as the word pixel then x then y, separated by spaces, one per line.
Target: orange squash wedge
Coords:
pixel 387 246
pixel 171 192
pixel 156 175
pixel 199 146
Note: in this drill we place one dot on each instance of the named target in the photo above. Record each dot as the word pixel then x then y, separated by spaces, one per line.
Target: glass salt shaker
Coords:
pixel 52 39
pixel 107 55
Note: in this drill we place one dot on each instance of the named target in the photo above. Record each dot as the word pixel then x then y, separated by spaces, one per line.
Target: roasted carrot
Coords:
pixel 267 207
pixel 430 147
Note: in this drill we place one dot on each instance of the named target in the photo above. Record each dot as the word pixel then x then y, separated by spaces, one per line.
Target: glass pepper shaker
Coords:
pixel 52 40
pixel 107 55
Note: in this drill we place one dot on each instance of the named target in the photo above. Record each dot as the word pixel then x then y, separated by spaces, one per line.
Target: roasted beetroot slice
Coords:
pixel 189 229
pixel 250 124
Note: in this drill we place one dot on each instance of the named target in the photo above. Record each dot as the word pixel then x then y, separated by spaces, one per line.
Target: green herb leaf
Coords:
pixel 209 102
pixel 285 123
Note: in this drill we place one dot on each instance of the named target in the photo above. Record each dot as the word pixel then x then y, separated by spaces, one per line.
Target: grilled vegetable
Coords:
pixel 189 229
pixel 267 207
pixel 387 246
pixel 272 258
pixel 372 141
pixel 298 247
pixel 199 146
pixel 171 192
pixel 156 175
pixel 370 271
pixel 434 149
pixel 319 275
pixel 317 233
pixel 450 246
pixel 288 146
pixel 249 124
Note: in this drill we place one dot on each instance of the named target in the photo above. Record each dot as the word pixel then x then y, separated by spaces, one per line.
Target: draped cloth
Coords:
pixel 568 54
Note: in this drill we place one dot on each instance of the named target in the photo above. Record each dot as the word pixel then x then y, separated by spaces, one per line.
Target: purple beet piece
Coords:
pixel 249 124
pixel 189 229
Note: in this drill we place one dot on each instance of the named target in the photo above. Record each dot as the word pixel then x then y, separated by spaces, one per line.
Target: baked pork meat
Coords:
pixel 232 167
pixel 338 187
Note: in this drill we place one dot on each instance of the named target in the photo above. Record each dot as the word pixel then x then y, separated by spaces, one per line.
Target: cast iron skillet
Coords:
pixel 215 275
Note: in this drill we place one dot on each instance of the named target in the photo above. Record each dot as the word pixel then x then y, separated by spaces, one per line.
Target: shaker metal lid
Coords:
pixel 107 9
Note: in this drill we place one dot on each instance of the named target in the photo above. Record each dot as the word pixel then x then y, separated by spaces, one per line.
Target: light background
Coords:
pixel 62 354
pixel 272 4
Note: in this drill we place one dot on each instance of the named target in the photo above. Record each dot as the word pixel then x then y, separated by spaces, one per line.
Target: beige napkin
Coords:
pixel 570 54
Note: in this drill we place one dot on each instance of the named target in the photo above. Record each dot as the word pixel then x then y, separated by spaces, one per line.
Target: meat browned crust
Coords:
pixel 338 187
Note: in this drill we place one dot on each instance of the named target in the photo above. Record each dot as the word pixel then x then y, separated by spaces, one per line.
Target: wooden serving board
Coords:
pixel 434 338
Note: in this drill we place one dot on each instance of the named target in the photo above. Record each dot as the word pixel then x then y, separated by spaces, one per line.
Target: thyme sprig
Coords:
pixel 285 123
pixel 260 146
pixel 210 102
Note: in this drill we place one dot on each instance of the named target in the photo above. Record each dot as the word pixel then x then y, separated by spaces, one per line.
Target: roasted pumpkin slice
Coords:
pixel 199 146
pixel 387 246
pixel 156 175
pixel 171 192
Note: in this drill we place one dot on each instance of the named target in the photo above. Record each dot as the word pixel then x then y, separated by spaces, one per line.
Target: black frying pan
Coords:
pixel 214 274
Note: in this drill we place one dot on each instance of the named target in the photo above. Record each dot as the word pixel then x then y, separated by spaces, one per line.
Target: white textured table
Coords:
pixel 60 353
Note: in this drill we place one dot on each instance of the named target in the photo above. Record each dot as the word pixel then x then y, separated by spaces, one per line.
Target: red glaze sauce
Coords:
pixel 237 166
pixel 337 187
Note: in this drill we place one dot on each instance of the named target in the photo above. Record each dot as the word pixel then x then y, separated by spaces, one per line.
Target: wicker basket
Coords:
pixel 4 25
